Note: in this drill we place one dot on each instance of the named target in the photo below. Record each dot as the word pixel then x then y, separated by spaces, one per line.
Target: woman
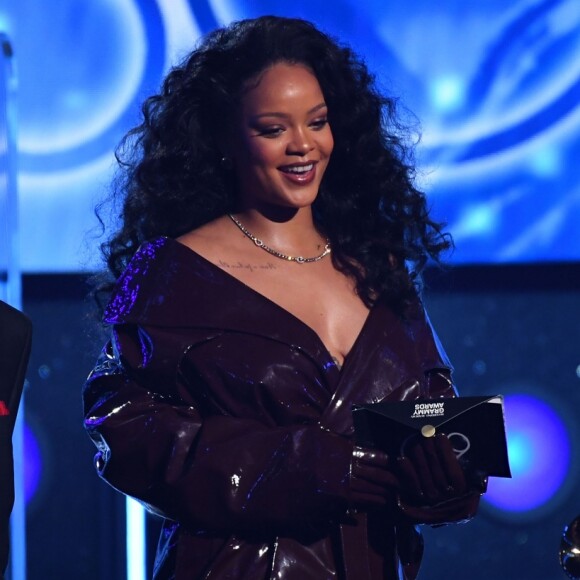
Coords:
pixel 263 287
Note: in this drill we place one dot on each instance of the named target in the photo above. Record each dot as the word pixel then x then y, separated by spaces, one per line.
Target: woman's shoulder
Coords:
pixel 162 274
pixel 208 240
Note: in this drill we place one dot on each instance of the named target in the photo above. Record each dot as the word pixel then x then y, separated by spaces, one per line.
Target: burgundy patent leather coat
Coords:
pixel 226 415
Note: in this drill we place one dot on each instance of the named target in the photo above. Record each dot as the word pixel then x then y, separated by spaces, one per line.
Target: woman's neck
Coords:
pixel 284 228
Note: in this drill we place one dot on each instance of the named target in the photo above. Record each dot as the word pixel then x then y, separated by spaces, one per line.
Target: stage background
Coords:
pixel 495 86
pixel 494 89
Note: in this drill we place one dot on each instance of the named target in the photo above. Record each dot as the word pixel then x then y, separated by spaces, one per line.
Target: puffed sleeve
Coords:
pixel 212 473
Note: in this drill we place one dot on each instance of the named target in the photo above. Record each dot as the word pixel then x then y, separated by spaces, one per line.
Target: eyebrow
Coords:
pixel 284 115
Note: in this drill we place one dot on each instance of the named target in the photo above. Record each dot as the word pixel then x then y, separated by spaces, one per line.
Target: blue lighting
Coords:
pixel 478 219
pixel 32 463
pixel 540 454
pixel 547 162
pixel 136 540
pixel 503 109
pixel 448 93
pixel 5 23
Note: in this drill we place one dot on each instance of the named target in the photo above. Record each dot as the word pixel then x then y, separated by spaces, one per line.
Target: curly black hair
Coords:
pixel 171 179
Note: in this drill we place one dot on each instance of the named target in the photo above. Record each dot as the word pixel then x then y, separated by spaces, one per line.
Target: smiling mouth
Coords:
pixel 298 169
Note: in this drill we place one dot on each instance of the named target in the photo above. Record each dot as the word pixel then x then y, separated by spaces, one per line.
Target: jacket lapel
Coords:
pixel 388 361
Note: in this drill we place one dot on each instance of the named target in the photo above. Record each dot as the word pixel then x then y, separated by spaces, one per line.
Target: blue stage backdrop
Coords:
pixel 494 84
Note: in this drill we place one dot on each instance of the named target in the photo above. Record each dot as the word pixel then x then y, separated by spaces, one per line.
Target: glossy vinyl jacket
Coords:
pixel 226 415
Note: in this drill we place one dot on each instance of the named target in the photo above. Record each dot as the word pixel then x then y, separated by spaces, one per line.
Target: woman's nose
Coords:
pixel 301 142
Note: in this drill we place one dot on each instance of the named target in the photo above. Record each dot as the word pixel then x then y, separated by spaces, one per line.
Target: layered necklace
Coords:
pixel 263 246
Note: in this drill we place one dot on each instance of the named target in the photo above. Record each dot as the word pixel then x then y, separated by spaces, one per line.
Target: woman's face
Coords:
pixel 282 144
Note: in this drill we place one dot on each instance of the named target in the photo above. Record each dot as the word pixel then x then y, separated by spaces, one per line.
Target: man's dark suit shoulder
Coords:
pixel 15 342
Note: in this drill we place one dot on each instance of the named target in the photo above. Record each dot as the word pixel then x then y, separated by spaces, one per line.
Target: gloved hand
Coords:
pixel 372 483
pixel 430 472
pixel 435 487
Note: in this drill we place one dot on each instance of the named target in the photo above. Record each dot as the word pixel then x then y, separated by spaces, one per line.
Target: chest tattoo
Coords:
pixel 239 265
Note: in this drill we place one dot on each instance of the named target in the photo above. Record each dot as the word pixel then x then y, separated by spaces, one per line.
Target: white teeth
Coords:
pixel 299 169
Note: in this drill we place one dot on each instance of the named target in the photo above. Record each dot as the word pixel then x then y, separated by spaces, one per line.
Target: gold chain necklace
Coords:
pixel 263 246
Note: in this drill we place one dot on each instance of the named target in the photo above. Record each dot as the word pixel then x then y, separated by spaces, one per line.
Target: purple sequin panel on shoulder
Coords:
pixel 128 284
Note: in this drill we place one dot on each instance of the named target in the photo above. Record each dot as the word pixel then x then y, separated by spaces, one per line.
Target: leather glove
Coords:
pixel 430 472
pixel 372 483
pixel 435 487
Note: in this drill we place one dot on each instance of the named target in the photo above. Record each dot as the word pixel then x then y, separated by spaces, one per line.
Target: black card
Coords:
pixel 474 425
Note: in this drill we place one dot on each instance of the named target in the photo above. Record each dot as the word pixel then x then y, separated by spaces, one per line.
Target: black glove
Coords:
pixel 372 483
pixel 430 472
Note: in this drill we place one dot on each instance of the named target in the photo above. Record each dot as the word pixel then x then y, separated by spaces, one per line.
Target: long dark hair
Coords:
pixel 171 180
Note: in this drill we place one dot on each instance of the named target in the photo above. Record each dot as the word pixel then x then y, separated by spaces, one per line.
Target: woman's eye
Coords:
pixel 319 124
pixel 270 131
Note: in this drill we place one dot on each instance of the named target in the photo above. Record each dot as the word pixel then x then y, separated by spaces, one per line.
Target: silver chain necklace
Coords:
pixel 263 246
